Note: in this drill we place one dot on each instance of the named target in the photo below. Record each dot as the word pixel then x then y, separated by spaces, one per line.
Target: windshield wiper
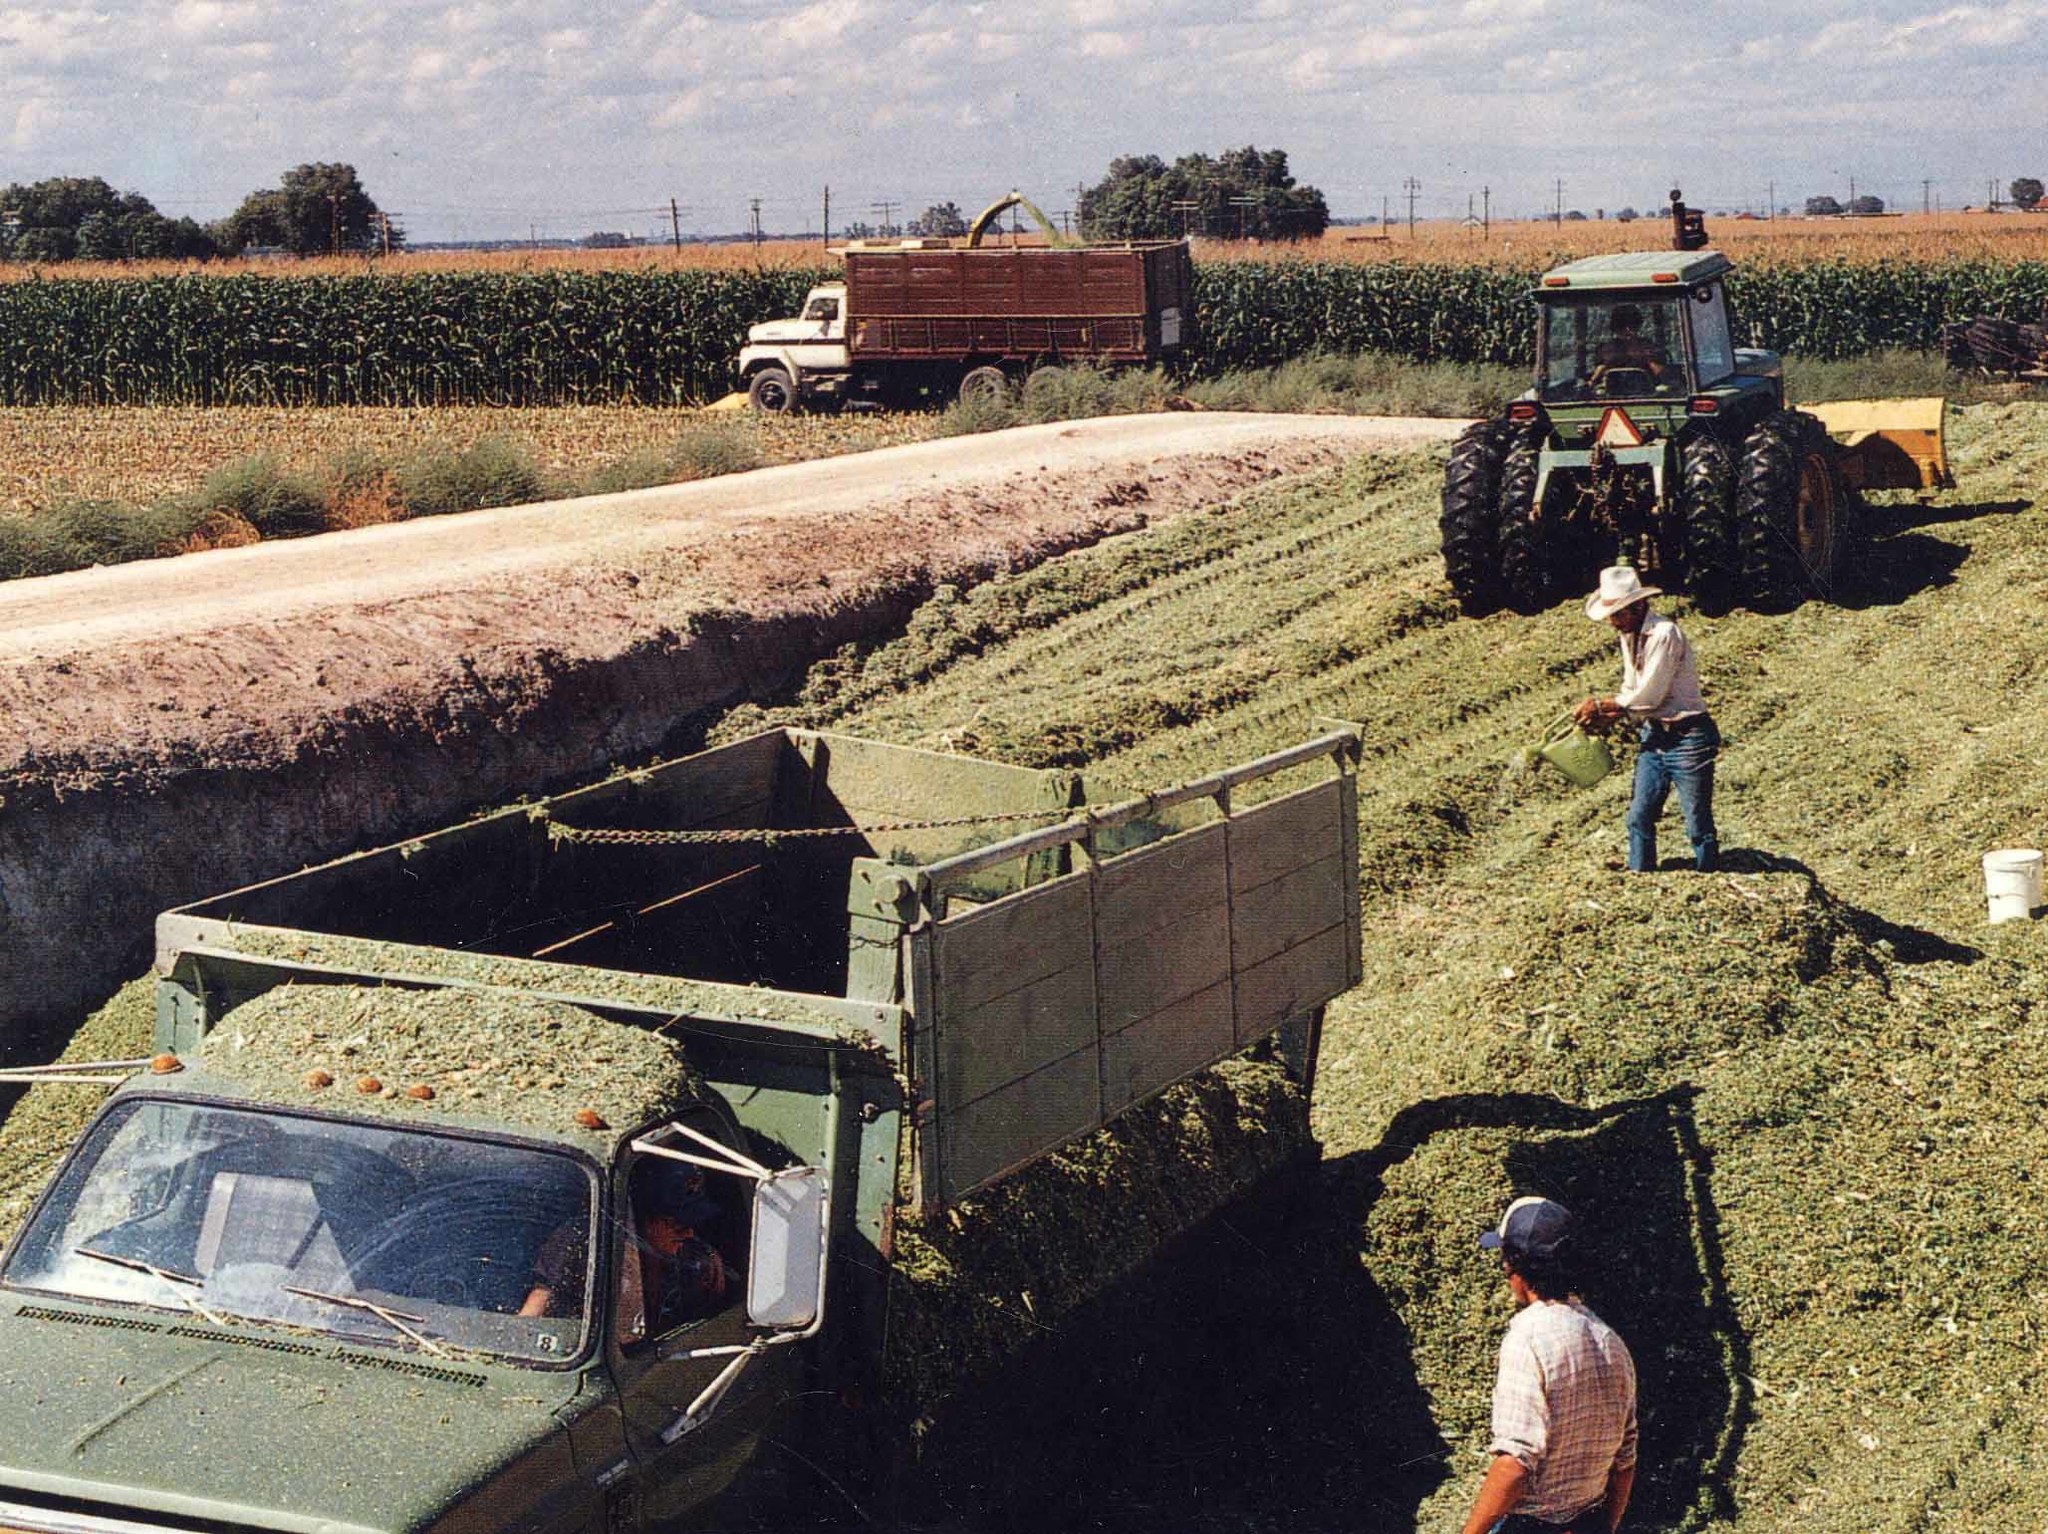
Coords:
pixel 395 1319
pixel 162 1275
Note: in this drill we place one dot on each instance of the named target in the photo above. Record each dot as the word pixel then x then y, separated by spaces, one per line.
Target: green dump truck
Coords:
pixel 627 1160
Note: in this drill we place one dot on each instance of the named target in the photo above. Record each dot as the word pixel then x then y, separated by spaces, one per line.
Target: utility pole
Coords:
pixel 827 239
pixel 1411 186
pixel 1926 196
pixel 755 204
pixel 1243 205
pixel 675 225
pixel 1185 207
pixel 1774 201
pixel 882 211
pixel 333 222
pixel 1852 194
pixel 1557 213
pixel 1486 218
pixel 1080 196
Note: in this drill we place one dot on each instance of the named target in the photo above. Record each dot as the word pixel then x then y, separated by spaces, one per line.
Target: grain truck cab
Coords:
pixel 333 1282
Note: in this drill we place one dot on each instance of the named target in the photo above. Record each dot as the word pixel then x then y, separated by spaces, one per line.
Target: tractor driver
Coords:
pixel 1627 347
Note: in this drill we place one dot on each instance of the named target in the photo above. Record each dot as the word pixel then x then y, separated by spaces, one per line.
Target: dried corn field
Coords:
pixel 135 455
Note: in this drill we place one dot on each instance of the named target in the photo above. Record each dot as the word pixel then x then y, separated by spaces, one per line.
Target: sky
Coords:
pixel 507 118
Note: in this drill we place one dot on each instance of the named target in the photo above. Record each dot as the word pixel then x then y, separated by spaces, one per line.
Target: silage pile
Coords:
pixel 1809 1169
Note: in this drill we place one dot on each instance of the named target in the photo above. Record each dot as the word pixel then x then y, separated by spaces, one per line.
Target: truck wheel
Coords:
pixel 1522 548
pixel 772 392
pixel 1790 508
pixel 1706 522
pixel 984 386
pixel 1470 520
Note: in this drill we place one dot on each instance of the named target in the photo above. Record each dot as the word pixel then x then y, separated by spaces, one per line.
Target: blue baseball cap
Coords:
pixel 1532 1227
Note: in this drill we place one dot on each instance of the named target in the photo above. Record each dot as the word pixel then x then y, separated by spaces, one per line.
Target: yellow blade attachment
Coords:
pixel 1888 444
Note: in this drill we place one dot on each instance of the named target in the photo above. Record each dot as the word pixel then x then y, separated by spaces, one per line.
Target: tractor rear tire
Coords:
pixel 1470 519
pixel 1792 511
pixel 772 392
pixel 1712 559
pixel 1523 548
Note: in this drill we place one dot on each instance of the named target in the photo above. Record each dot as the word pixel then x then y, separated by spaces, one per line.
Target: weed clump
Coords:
pixel 495 471
pixel 272 497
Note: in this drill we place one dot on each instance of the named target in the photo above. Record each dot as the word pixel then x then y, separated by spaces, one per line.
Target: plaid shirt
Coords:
pixel 1564 1404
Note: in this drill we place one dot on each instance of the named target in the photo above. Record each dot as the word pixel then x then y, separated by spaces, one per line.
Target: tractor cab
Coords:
pixel 1649 325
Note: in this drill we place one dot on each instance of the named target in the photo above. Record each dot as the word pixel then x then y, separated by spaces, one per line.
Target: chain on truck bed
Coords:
pixel 598 835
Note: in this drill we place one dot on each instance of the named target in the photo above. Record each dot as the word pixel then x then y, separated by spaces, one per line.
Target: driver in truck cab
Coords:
pixel 1627 347
pixel 680 1276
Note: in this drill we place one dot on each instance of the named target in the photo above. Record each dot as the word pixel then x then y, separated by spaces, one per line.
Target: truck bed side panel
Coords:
pixel 1049 1012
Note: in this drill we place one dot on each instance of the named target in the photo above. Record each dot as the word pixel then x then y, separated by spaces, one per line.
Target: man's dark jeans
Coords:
pixel 1677 755
pixel 1592 1521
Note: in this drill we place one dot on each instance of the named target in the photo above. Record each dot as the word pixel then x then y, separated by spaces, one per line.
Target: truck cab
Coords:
pixel 786 363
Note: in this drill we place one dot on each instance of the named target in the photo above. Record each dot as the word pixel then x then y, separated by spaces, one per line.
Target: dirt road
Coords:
pixel 187 726
pixel 481 551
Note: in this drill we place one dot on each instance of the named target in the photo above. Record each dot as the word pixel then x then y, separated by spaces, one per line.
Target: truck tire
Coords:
pixel 1712 558
pixel 772 392
pixel 1469 523
pixel 1522 547
pixel 1790 510
pixel 986 385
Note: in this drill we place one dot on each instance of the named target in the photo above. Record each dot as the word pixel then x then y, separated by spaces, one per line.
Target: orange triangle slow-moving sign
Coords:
pixel 1617 430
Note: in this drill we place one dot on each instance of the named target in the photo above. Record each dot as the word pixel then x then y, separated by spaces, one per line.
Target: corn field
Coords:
pixel 670 336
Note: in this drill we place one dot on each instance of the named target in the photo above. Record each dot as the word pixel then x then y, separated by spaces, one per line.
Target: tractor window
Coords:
pixel 1624 347
pixel 1713 350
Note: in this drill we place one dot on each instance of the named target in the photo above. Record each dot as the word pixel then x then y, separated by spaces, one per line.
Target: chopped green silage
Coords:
pixel 44 1120
pixel 982 1279
pixel 506 1061
pixel 1801 1103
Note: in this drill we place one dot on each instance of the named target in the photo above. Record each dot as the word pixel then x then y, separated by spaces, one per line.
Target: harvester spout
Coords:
pixel 1688 225
pixel 1888 444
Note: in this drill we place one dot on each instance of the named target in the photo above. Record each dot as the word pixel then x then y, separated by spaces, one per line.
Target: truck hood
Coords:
pixel 787 333
pixel 261 1428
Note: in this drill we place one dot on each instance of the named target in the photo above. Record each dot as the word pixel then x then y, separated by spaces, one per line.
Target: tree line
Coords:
pixel 315 209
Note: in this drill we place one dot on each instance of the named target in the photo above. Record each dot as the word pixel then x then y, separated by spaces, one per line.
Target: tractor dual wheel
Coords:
pixel 1792 512
pixel 1469 523
pixel 1706 531
pixel 1522 548
pixel 772 392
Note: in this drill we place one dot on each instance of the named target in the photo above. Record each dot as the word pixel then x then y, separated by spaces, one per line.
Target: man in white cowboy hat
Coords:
pixel 1660 690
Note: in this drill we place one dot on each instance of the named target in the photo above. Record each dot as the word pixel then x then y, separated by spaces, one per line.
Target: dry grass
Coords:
pixel 1752 242
pixel 1511 243
pixel 137 454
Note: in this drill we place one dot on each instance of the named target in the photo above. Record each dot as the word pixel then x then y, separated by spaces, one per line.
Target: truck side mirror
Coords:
pixel 786 1261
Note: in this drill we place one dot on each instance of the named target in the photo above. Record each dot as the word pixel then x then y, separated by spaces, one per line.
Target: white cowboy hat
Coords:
pixel 1620 587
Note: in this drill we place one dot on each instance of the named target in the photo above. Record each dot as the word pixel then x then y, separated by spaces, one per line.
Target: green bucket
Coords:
pixel 1582 758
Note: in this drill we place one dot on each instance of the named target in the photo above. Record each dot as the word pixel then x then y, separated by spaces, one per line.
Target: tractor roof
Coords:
pixel 1639 269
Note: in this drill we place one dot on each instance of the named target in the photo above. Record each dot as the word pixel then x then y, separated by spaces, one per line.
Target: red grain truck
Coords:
pixel 928 319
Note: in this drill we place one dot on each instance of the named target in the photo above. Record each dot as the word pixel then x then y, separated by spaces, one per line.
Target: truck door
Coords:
pixel 680 1237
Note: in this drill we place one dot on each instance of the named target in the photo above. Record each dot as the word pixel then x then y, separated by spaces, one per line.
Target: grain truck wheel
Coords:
pixel 1470 519
pixel 984 386
pixel 772 392
pixel 1706 522
pixel 1789 509
pixel 1522 548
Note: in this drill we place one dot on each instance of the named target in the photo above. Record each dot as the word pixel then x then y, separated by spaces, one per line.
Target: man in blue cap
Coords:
pixel 1564 1401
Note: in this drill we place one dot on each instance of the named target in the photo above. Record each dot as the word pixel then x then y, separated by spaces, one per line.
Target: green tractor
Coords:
pixel 1651 437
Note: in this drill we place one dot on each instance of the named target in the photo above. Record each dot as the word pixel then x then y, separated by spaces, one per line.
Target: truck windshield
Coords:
pixel 386 1236
pixel 1623 346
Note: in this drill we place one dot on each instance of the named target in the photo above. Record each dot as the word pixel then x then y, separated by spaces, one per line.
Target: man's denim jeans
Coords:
pixel 1677 756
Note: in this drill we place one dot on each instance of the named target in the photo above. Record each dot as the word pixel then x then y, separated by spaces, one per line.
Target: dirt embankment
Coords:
pixel 183 727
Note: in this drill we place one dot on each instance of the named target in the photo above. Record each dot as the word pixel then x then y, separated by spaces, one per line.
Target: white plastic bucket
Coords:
pixel 2012 883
